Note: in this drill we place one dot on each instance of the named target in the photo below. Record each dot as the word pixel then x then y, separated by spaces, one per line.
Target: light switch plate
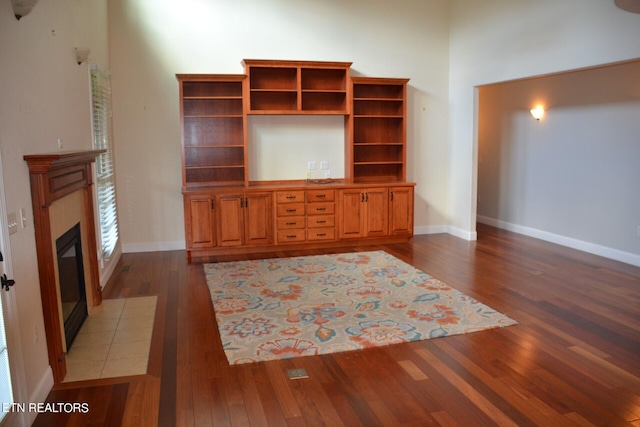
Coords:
pixel 23 218
pixel 12 222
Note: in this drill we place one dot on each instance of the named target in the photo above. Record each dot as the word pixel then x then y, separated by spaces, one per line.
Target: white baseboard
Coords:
pixel 41 392
pixel 581 245
pixel 431 229
pixel 153 247
pixel 106 274
pixel 466 235
pixel 454 231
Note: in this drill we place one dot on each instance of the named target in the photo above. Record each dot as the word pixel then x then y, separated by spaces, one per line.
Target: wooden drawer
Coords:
pixel 316 221
pixel 290 209
pixel 285 236
pixel 289 222
pixel 321 195
pixel 321 208
pixel 321 234
pixel 290 196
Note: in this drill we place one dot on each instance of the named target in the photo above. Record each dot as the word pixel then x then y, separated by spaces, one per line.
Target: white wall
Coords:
pixel 499 40
pixel 152 40
pixel 44 96
pixel 280 147
pixel 573 176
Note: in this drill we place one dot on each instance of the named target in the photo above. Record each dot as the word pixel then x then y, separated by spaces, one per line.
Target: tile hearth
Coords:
pixel 114 340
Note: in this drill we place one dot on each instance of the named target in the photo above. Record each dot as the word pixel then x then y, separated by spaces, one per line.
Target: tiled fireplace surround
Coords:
pixel 62 194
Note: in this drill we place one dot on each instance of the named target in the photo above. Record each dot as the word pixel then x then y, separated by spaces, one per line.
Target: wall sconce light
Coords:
pixel 537 112
pixel 22 7
pixel 82 54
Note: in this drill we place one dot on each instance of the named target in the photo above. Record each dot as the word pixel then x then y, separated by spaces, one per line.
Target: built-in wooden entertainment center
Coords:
pixel 226 213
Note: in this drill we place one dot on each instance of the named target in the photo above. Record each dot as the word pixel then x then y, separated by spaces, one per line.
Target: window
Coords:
pixel 6 394
pixel 105 179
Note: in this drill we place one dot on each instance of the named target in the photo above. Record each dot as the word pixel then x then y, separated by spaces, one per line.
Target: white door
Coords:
pixel 6 389
pixel 12 381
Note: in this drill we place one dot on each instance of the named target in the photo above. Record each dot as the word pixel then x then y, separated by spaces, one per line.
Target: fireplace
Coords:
pixel 62 196
pixel 73 296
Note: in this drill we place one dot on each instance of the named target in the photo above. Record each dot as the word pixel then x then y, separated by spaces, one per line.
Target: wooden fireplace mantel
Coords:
pixel 54 176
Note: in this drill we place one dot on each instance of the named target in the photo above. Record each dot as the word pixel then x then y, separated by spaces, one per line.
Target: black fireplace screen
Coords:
pixel 71 279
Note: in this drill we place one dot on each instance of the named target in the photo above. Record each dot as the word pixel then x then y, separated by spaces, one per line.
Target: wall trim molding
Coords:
pixel 41 392
pixel 106 273
pixel 438 229
pixel 581 245
pixel 128 248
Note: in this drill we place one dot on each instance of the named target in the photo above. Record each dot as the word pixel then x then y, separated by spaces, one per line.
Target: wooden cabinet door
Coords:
pixel 401 211
pixel 200 222
pixel 351 211
pixel 377 212
pixel 230 219
pixel 258 218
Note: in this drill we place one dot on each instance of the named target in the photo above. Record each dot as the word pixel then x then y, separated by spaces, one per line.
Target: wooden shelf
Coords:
pixel 208 107
pixel 372 88
pixel 213 129
pixel 378 130
pixel 297 87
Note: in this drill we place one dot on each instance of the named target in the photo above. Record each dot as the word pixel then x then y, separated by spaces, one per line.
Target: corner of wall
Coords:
pixel 448 229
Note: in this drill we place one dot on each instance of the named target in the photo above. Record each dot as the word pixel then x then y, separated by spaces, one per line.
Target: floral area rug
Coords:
pixel 290 307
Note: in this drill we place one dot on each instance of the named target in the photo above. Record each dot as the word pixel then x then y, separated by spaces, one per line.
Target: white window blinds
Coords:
pixel 105 179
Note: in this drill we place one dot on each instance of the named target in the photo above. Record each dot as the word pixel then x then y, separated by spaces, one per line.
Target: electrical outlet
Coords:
pixel 60 143
pixel 327 173
pixel 311 165
pixel 324 165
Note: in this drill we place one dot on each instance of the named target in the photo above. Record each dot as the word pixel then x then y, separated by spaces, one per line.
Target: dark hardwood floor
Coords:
pixel 573 360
